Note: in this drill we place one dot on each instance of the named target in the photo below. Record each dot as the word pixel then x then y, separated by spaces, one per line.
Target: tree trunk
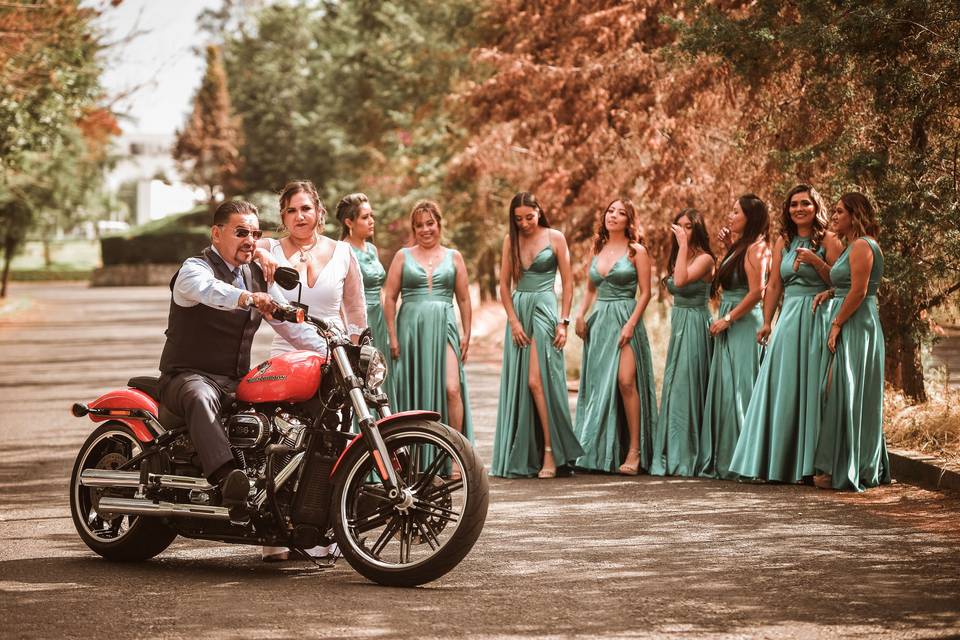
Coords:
pixel 47 253
pixel 8 247
pixel 903 367
pixel 487 276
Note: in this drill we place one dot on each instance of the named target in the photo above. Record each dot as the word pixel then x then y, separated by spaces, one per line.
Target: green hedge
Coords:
pixel 155 248
pixel 169 240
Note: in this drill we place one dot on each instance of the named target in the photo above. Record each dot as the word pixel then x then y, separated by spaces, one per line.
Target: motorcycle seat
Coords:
pixel 151 386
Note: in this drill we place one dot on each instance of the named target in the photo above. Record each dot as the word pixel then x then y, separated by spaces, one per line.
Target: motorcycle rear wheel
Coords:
pixel 121 538
pixel 412 545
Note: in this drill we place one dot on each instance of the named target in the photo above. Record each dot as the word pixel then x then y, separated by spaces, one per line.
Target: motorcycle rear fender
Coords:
pixel 128 398
pixel 384 422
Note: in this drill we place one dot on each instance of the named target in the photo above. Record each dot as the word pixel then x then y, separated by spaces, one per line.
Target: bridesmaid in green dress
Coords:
pixel 736 354
pixel 617 402
pixel 357 223
pixel 851 452
pixel 676 440
pixel 534 431
pixel 426 345
pixel 779 432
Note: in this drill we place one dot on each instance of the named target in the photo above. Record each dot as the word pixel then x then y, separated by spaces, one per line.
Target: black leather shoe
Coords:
pixel 235 488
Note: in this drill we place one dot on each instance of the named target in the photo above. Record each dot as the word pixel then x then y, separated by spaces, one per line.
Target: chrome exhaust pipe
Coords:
pixel 142 507
pixel 109 478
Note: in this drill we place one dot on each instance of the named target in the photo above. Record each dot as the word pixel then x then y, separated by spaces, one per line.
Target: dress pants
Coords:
pixel 197 398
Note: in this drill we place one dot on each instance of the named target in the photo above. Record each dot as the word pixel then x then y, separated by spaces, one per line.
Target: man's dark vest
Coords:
pixel 208 340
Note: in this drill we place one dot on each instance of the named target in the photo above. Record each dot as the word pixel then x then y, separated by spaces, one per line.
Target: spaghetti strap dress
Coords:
pixel 374 276
pixel 601 424
pixel 518 441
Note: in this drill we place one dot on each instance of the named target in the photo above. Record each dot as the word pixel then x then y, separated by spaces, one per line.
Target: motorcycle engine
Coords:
pixel 248 430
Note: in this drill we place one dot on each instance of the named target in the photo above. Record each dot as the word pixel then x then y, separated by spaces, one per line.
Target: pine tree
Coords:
pixel 207 149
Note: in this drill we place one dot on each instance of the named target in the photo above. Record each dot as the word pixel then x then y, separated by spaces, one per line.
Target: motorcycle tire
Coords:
pixel 109 446
pixel 355 470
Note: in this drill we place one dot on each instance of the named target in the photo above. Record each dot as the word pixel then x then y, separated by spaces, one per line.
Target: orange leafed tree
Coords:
pixel 208 148
pixel 585 104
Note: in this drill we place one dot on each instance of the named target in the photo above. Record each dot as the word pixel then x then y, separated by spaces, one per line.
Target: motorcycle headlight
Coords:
pixel 373 366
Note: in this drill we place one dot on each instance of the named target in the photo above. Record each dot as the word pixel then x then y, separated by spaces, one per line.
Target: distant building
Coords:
pixel 146 160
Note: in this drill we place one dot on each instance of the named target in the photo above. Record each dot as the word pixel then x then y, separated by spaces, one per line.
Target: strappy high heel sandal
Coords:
pixel 631 469
pixel 548 473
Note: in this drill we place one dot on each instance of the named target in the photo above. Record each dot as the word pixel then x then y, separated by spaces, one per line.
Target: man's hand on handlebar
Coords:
pixel 262 301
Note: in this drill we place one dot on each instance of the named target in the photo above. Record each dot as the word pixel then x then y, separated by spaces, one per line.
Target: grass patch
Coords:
pixel 66 255
pixel 932 427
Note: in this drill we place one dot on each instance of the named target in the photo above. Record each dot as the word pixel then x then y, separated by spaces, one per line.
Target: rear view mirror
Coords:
pixel 287 278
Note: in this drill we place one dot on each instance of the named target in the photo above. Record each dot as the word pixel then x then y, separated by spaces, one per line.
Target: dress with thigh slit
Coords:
pixel 601 423
pixel 518 442
pixel 426 326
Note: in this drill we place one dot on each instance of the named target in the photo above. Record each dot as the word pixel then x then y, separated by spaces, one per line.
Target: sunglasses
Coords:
pixel 243 232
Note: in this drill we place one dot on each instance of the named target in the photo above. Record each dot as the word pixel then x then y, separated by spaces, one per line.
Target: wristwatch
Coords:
pixel 565 321
pixel 727 319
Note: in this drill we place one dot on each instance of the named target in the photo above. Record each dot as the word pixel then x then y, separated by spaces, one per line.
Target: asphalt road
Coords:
pixel 584 556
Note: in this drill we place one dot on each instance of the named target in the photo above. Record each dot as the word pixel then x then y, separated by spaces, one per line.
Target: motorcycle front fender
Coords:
pixel 126 399
pixel 383 422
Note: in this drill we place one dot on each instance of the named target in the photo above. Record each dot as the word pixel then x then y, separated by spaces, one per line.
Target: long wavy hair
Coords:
pixel 862 214
pixel 758 225
pixel 788 228
pixel 699 238
pixel 602 236
pixel 522 199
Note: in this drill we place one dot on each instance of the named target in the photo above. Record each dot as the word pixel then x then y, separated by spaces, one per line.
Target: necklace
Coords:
pixel 305 250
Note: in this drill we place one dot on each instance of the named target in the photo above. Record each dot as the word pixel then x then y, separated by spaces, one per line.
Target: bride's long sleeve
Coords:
pixel 354 305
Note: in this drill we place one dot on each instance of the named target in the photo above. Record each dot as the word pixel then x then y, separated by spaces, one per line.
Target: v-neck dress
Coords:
pixel 779 434
pixel 426 325
pixel 601 423
pixel 518 442
pixel 337 292
pixel 733 372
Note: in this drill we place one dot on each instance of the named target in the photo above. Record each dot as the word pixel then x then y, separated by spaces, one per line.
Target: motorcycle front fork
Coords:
pixel 368 426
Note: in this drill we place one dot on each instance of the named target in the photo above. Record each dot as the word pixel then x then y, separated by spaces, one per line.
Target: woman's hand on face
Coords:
pixel 268 264
pixel 719 326
pixel 520 338
pixel 725 237
pixel 764 334
pixel 581 328
pixel 679 233
pixel 821 298
pixel 560 336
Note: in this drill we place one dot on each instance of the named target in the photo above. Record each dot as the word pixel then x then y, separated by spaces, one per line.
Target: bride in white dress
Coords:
pixel 332 284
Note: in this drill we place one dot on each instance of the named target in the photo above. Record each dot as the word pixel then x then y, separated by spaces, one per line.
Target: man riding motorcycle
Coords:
pixel 217 301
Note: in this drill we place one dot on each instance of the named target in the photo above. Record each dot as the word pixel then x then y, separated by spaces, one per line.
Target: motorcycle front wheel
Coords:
pixel 445 499
pixel 120 538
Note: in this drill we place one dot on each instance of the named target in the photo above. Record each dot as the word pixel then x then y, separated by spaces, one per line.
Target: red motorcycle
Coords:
pixel 405 500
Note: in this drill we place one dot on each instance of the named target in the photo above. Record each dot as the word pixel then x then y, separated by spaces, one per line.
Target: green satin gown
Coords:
pixel 733 372
pixel 374 276
pixel 779 433
pixel 518 442
pixel 851 446
pixel 676 439
pixel 426 326
pixel 601 424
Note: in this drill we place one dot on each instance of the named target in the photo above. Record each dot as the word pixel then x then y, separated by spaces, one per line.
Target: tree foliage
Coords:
pixel 207 150
pixel 53 133
pixel 861 96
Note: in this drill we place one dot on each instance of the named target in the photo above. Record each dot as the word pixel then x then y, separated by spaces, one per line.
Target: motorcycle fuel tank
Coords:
pixel 289 377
